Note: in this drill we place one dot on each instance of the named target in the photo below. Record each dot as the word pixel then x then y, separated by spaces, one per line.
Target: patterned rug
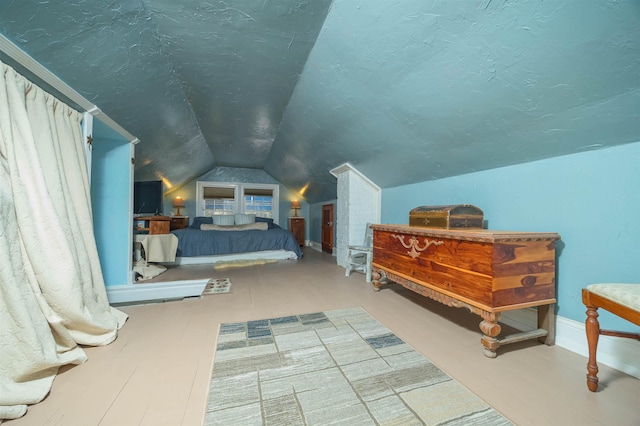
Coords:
pixel 217 286
pixel 337 367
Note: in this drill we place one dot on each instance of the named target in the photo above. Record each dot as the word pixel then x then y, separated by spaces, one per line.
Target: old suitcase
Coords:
pixel 447 217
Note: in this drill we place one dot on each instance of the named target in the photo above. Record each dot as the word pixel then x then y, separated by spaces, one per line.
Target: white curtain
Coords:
pixel 52 293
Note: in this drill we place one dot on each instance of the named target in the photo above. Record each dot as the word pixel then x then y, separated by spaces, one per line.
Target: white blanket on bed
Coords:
pixel 158 247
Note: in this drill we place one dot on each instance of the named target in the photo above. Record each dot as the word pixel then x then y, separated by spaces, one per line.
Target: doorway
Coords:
pixel 327 228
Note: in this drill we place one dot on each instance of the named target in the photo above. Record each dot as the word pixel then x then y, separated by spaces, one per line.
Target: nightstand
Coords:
pixel 179 222
pixel 296 226
pixel 152 224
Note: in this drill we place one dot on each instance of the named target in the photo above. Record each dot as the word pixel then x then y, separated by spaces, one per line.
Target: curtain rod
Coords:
pixel 50 78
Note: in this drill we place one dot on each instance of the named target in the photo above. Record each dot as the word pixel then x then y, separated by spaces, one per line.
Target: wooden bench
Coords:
pixel 622 300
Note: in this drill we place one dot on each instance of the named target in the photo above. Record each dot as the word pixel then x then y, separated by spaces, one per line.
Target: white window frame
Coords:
pixel 238 195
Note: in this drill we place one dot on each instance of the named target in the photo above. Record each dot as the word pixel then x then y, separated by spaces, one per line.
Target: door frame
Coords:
pixel 328 228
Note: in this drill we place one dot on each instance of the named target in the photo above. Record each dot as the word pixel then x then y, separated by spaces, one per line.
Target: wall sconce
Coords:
pixel 178 202
pixel 295 205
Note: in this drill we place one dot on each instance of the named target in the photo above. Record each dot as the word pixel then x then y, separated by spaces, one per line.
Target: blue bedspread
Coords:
pixel 195 242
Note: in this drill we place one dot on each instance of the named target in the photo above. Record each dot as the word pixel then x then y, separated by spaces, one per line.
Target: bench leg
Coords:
pixel 592 327
pixel 378 276
pixel 490 330
pixel 547 321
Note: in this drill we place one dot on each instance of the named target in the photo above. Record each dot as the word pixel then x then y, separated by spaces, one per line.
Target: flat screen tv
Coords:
pixel 147 197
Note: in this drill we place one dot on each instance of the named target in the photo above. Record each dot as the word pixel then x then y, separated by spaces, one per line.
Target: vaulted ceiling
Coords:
pixel 406 91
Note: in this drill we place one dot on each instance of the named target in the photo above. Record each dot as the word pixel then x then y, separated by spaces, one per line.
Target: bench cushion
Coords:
pixel 625 294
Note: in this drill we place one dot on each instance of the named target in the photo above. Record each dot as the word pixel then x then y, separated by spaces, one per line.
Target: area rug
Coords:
pixel 337 367
pixel 217 286
pixel 239 263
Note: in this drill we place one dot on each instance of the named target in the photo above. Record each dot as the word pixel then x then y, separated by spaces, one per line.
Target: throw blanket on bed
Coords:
pixel 158 247
pixel 196 242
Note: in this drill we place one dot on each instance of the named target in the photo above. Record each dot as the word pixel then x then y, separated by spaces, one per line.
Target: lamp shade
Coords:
pixel 295 204
pixel 178 202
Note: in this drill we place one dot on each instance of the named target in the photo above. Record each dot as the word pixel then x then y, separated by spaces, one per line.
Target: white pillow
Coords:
pixel 243 219
pixel 257 226
pixel 223 219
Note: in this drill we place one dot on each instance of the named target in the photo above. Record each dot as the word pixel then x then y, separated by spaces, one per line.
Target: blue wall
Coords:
pixel 591 199
pixel 110 199
pixel 235 175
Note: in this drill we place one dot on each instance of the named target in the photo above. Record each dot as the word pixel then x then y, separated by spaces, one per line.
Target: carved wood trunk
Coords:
pixel 447 217
pixel 486 271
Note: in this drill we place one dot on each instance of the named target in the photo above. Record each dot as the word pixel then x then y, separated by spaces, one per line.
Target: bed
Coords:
pixel 248 237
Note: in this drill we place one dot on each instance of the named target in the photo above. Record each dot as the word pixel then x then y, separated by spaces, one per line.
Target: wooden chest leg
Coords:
pixel 547 321
pixel 491 329
pixel 377 277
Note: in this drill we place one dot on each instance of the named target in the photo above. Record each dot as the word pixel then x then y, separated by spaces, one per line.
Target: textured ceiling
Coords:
pixel 406 91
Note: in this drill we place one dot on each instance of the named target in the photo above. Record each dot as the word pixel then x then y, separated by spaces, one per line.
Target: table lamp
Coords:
pixel 178 202
pixel 295 205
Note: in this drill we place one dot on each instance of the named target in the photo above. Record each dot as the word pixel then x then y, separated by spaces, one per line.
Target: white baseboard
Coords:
pixel 619 353
pixel 522 319
pixel 158 291
pixel 314 245
pixel 318 247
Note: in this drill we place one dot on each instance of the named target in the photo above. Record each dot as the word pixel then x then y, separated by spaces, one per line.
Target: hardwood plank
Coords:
pixel 157 371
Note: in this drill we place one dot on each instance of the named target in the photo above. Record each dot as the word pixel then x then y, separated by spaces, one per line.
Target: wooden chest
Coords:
pixel 447 217
pixel 486 271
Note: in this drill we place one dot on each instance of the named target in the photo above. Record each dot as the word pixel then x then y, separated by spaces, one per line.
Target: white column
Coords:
pixel 359 203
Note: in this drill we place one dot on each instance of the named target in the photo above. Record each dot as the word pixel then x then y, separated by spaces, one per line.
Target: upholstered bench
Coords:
pixel 622 300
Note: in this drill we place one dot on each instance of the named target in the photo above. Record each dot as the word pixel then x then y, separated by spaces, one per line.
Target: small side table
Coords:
pixel 179 222
pixel 153 224
pixel 296 226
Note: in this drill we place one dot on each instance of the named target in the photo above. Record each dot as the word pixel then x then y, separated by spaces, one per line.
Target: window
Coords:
pixel 216 198
pixel 258 201
pixel 218 206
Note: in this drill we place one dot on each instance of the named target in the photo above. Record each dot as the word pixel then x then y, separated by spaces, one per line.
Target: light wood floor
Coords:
pixel 157 371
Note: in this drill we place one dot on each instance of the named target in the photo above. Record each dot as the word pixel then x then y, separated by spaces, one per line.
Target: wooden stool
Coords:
pixel 622 300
